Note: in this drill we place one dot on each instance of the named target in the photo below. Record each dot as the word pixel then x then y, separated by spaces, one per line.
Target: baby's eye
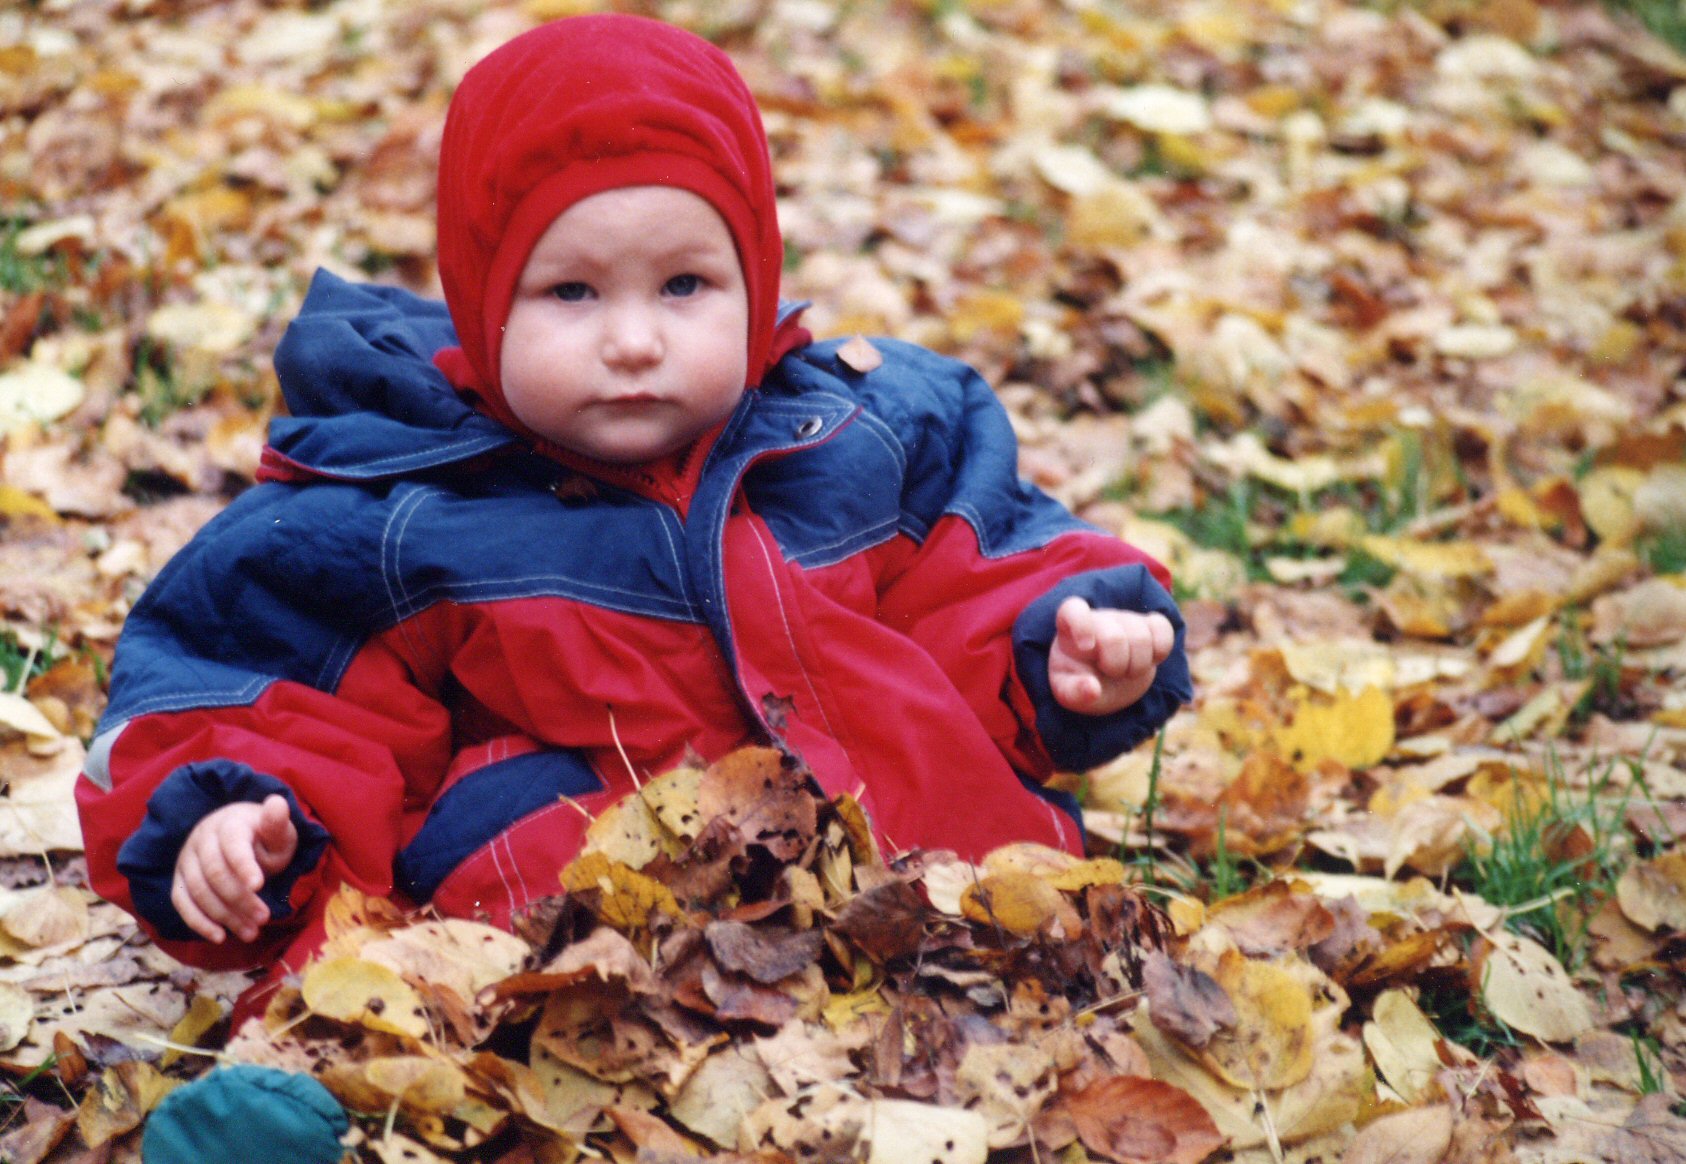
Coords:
pixel 681 286
pixel 572 292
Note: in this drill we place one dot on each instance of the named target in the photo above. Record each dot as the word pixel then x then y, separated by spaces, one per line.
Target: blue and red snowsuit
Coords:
pixel 433 641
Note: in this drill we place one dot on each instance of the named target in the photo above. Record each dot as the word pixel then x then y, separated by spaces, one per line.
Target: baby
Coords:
pixel 607 506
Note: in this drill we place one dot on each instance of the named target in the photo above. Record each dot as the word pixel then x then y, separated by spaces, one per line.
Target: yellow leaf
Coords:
pixel 1608 503
pixel 1328 1097
pixel 1119 214
pixel 1355 730
pixel 280 106
pixel 1402 1043
pixel 120 1100
pixel 1619 341
pixel 1424 610
pixel 672 798
pixel 1517 653
pixel 1339 527
pixel 628 896
pixel 203 1013
pixel 1520 607
pixel 1348 665
pixel 845 1010
pixel 354 915
pixel 1187 914
pixel 1037 860
pixel 20 715
pixel 1517 795
pixel 418 1082
pixel 1095 871
pixel 1274 101
pixel 626 833
pixel 448 956
pixel 210 327
pixel 15 502
pixel 1020 903
pixel 1546 714
pixel 545 10
pixel 985 311
pixel 1437 560
pixel 351 990
pixel 1270 1044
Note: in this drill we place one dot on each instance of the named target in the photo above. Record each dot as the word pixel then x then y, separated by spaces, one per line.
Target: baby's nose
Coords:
pixel 632 339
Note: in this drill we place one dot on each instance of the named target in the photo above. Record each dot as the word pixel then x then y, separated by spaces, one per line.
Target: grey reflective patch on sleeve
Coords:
pixel 97 766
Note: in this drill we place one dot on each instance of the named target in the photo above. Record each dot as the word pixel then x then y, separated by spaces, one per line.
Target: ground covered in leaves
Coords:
pixel 1369 318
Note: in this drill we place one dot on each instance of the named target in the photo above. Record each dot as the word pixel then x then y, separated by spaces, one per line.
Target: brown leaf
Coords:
pixel 1130 1119
pixel 740 998
pixel 1400 961
pixel 766 953
pixel 769 801
pixel 886 922
pixel 649 1134
pixel 1651 1134
pixel 1273 918
pixel 41 1129
pixel 1184 1002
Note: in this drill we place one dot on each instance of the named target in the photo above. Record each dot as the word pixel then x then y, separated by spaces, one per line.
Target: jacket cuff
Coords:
pixel 187 796
pixel 1077 742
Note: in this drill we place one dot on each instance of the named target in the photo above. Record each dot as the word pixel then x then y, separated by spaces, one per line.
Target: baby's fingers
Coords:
pixel 1124 647
pixel 183 899
pixel 226 887
pixel 1075 690
pixel 231 867
pixel 1074 628
pixel 1164 636
pixel 275 840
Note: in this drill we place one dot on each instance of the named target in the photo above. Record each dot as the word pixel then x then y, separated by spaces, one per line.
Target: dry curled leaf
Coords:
pixel 859 354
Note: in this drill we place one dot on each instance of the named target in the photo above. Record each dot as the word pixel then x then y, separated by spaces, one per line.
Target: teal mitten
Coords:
pixel 246 1115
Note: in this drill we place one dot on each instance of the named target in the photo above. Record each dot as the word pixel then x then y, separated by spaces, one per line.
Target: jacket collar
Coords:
pixel 366 403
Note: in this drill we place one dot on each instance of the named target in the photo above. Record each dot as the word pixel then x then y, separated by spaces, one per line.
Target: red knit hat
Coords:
pixel 574 108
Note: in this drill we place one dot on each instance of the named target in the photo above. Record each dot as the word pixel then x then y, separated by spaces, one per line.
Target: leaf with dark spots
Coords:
pixel 768 800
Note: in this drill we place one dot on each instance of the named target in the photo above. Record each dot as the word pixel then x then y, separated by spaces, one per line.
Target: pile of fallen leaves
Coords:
pixel 1368 318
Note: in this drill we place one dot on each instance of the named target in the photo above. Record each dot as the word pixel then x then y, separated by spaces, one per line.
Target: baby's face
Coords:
pixel 627 337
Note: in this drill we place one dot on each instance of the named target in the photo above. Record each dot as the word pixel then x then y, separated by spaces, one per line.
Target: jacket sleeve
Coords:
pixel 248 668
pixel 984 559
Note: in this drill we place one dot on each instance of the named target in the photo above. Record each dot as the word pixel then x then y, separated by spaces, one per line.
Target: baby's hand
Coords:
pixel 224 863
pixel 1104 660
